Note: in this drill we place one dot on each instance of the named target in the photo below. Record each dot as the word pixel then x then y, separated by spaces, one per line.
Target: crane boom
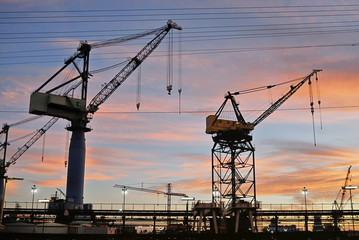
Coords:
pixel 347 179
pixel 150 190
pixel 31 141
pixel 284 98
pixel 110 87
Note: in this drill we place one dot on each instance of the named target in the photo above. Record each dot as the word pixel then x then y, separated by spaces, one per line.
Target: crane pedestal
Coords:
pixel 76 166
pixel 233 177
pixel 233 169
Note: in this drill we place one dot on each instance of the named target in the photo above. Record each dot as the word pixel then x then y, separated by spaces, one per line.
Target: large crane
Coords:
pixel 75 109
pixel 233 168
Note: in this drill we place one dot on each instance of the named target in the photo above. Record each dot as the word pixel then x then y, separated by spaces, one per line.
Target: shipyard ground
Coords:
pixel 184 236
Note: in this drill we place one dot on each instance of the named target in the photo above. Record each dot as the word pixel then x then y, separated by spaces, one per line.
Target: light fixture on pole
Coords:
pixel 124 192
pixel 305 192
pixel 187 199
pixel 33 191
pixel 350 188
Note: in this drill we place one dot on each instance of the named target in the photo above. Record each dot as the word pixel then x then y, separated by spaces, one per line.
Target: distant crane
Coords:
pixel 75 109
pixel 342 192
pixel 338 208
pixel 233 168
pixel 169 192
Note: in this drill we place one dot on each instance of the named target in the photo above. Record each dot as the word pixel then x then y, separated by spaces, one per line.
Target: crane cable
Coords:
pixel 43 147
pixel 319 101
pixel 66 147
pixel 179 70
pixel 312 108
pixel 138 94
pixel 170 63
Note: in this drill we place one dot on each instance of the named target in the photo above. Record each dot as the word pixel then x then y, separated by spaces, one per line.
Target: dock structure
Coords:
pixel 200 218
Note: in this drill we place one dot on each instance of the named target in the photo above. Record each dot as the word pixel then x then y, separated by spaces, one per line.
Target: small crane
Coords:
pixel 169 192
pixel 342 192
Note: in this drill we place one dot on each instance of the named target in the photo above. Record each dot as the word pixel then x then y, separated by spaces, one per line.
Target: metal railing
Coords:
pixel 181 206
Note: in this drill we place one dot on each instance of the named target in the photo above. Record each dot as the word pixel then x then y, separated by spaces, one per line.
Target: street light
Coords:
pixel 350 188
pixel 33 191
pixel 187 199
pixel 305 192
pixel 124 191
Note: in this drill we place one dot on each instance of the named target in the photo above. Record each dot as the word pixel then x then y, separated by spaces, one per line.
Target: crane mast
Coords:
pixel 76 111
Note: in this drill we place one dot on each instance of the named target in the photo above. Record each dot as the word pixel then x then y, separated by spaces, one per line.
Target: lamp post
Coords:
pixel 305 192
pixel 124 191
pixel 187 199
pixel 350 188
pixel 33 191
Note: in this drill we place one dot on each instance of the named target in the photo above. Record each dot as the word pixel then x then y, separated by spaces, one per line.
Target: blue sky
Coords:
pixel 226 46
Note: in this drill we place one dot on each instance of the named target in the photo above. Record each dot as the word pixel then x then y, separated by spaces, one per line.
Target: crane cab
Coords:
pixel 215 125
pixel 56 106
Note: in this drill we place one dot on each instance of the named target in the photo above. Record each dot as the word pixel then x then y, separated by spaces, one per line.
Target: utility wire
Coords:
pixel 178 14
pixel 205 51
pixel 205 111
pixel 250 26
pixel 186 9
pixel 213 32
pixel 182 19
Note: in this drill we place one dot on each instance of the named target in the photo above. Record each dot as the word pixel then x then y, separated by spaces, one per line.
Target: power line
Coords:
pixel 206 111
pixel 189 52
pixel 182 19
pixel 178 14
pixel 251 26
pixel 181 9
pixel 222 30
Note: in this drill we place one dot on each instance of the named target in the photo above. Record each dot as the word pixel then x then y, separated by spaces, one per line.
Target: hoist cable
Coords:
pixel 170 63
pixel 43 147
pixel 66 147
pixel 312 108
pixel 179 70
pixel 138 94
pixel 319 100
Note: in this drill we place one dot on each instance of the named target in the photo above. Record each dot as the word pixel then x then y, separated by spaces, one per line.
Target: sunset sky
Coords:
pixel 225 46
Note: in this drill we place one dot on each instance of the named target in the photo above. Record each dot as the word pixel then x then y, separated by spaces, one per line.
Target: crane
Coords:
pixel 75 109
pixel 342 192
pixel 232 152
pixel 169 192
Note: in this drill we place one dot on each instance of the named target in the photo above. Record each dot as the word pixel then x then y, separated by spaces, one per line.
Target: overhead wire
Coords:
pixel 344 107
pixel 178 14
pixel 189 52
pixel 179 19
pixel 186 8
